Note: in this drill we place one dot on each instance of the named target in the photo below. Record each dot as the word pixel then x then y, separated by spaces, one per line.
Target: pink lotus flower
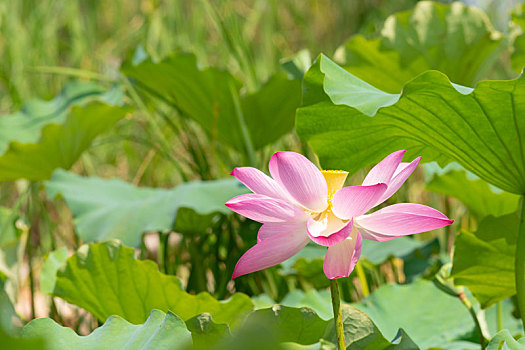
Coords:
pixel 302 204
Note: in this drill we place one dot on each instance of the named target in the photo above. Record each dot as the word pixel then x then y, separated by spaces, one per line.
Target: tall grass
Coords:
pixel 247 36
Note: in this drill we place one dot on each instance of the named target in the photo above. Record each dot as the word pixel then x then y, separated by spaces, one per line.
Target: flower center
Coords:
pixel 325 223
pixel 335 179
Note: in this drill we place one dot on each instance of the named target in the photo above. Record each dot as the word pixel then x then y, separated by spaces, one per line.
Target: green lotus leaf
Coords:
pixel 431 317
pixel 350 125
pixel 476 194
pixel 160 331
pixel 212 98
pixel 484 260
pixel 106 209
pixel 504 340
pixel 106 279
pixel 45 135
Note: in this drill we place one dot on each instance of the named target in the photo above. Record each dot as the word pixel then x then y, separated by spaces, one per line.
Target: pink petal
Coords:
pixel 353 201
pixel 270 252
pixel 260 183
pixel 333 238
pixel 400 220
pixel 384 170
pixel 271 229
pixel 265 209
pixel 301 179
pixel 341 258
pixel 402 166
pixel 403 171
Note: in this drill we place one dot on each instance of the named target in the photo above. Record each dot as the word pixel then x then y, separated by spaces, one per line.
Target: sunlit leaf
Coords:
pixel 484 261
pixel 14 343
pixel 477 195
pixel 106 279
pixel 160 331
pixel 481 129
pixel 209 96
pixel 105 209
pixel 455 39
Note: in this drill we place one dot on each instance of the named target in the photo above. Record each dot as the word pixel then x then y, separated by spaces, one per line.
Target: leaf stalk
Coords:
pixel 519 267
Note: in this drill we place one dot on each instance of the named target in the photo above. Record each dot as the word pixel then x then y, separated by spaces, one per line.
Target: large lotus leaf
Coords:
pixel 431 317
pixel 293 327
pixel 105 209
pixel 160 331
pixel 362 334
pixel 60 144
pixel 503 340
pixel 455 39
pixel 106 279
pixel 298 325
pixel 212 98
pixel 479 128
pixel 484 261
pixel 476 194
pixel 10 342
pixel 320 301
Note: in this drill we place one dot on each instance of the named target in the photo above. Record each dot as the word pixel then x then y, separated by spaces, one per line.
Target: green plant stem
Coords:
pixel 161 258
pixel 338 318
pixel 519 266
pixel 499 315
pixel 468 304
pixel 362 279
pixel 31 277
pixel 72 72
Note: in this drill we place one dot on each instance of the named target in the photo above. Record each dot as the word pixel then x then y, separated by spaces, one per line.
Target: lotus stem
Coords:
pixel 472 312
pixel 338 318
pixel 499 315
pixel 519 267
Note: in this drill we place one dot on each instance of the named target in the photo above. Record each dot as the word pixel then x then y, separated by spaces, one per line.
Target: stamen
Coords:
pixel 335 179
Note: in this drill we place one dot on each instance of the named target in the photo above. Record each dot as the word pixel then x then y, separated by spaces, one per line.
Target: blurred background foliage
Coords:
pixel 126 52
pixel 94 36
